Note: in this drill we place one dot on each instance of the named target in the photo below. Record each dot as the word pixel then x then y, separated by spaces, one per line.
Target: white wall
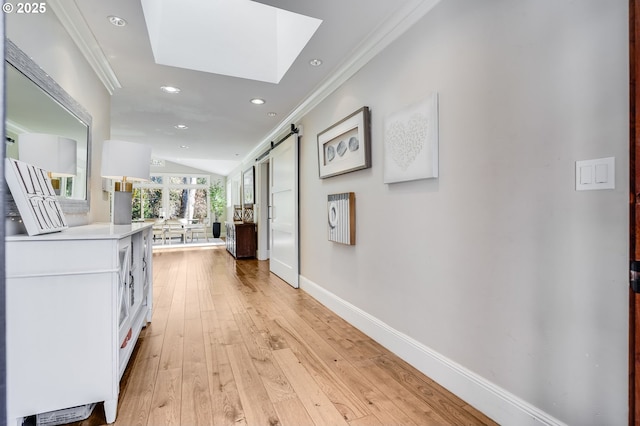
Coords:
pixel 499 266
pixel 42 37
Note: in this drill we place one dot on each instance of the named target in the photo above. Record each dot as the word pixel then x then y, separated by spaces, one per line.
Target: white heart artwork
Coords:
pixel 406 140
pixel 411 142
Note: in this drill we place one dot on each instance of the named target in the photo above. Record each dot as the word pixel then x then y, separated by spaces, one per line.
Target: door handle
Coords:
pixel 634 275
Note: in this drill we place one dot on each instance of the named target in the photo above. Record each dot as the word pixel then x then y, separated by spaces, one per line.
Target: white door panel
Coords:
pixel 284 210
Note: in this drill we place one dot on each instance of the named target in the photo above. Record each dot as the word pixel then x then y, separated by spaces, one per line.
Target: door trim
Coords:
pixel 262 184
pixel 634 209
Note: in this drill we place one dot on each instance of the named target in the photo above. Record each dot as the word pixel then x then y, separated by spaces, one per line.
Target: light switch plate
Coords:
pixel 596 174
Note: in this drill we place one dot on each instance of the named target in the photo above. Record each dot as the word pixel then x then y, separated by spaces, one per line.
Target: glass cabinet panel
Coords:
pixel 124 278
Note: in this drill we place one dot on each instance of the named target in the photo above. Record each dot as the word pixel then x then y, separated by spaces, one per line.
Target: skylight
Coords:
pixel 240 38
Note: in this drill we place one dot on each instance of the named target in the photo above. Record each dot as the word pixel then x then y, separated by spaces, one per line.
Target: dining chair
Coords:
pixel 176 228
pixel 198 229
pixel 159 230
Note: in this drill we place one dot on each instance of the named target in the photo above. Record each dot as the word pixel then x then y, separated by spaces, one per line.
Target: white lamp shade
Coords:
pixel 122 159
pixel 54 154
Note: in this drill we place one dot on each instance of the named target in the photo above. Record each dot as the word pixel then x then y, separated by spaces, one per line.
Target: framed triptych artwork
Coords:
pixel 346 146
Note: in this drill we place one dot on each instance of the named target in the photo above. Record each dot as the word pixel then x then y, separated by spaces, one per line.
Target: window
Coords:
pixel 172 197
pixel 188 203
pixel 147 203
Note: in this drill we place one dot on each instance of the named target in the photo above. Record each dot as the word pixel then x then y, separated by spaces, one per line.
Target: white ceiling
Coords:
pixel 223 126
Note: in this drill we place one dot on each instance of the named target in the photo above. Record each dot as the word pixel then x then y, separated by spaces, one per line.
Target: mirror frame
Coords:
pixel 23 63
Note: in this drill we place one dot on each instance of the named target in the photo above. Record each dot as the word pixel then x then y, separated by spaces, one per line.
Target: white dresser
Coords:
pixel 76 302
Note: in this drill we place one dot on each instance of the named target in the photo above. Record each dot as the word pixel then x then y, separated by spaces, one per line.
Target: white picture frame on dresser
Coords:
pixel 67 342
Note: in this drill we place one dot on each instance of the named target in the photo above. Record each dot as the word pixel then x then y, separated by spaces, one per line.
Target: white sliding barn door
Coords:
pixel 283 169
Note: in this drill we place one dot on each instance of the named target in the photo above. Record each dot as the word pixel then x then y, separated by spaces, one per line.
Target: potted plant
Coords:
pixel 218 202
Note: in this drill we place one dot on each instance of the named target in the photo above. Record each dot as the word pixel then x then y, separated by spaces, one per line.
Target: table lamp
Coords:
pixel 53 153
pixel 124 162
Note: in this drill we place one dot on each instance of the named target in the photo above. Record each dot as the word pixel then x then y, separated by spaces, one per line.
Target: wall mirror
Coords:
pixel 35 103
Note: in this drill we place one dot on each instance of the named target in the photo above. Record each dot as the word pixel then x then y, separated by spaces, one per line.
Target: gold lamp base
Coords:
pixel 124 187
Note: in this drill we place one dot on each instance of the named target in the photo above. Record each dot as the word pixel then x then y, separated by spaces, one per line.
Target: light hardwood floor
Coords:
pixel 232 344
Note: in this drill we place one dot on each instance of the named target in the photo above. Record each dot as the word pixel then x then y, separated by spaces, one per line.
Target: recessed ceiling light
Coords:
pixel 181 126
pixel 257 101
pixel 271 114
pixel 184 146
pixel 117 21
pixel 170 89
pixel 315 62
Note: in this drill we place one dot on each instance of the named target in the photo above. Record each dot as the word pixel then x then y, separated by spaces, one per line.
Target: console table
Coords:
pixel 76 302
pixel 241 239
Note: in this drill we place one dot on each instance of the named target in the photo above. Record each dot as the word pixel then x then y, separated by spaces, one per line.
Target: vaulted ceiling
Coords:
pixel 222 125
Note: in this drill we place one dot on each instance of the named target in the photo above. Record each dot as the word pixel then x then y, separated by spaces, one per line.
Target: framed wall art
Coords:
pixel 411 142
pixel 248 184
pixel 35 197
pixel 346 146
pixel 341 218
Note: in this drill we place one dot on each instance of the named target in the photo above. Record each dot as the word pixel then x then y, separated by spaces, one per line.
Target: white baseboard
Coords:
pixel 495 402
pixel 263 254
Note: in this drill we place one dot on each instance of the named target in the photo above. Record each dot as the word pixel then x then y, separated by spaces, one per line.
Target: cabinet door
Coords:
pixel 140 272
pixel 124 290
pixel 136 274
pixel 245 240
pixel 147 246
pixel 231 238
pixel 147 272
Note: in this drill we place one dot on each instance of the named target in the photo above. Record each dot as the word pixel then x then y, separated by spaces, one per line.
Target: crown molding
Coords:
pixel 74 23
pixel 377 41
